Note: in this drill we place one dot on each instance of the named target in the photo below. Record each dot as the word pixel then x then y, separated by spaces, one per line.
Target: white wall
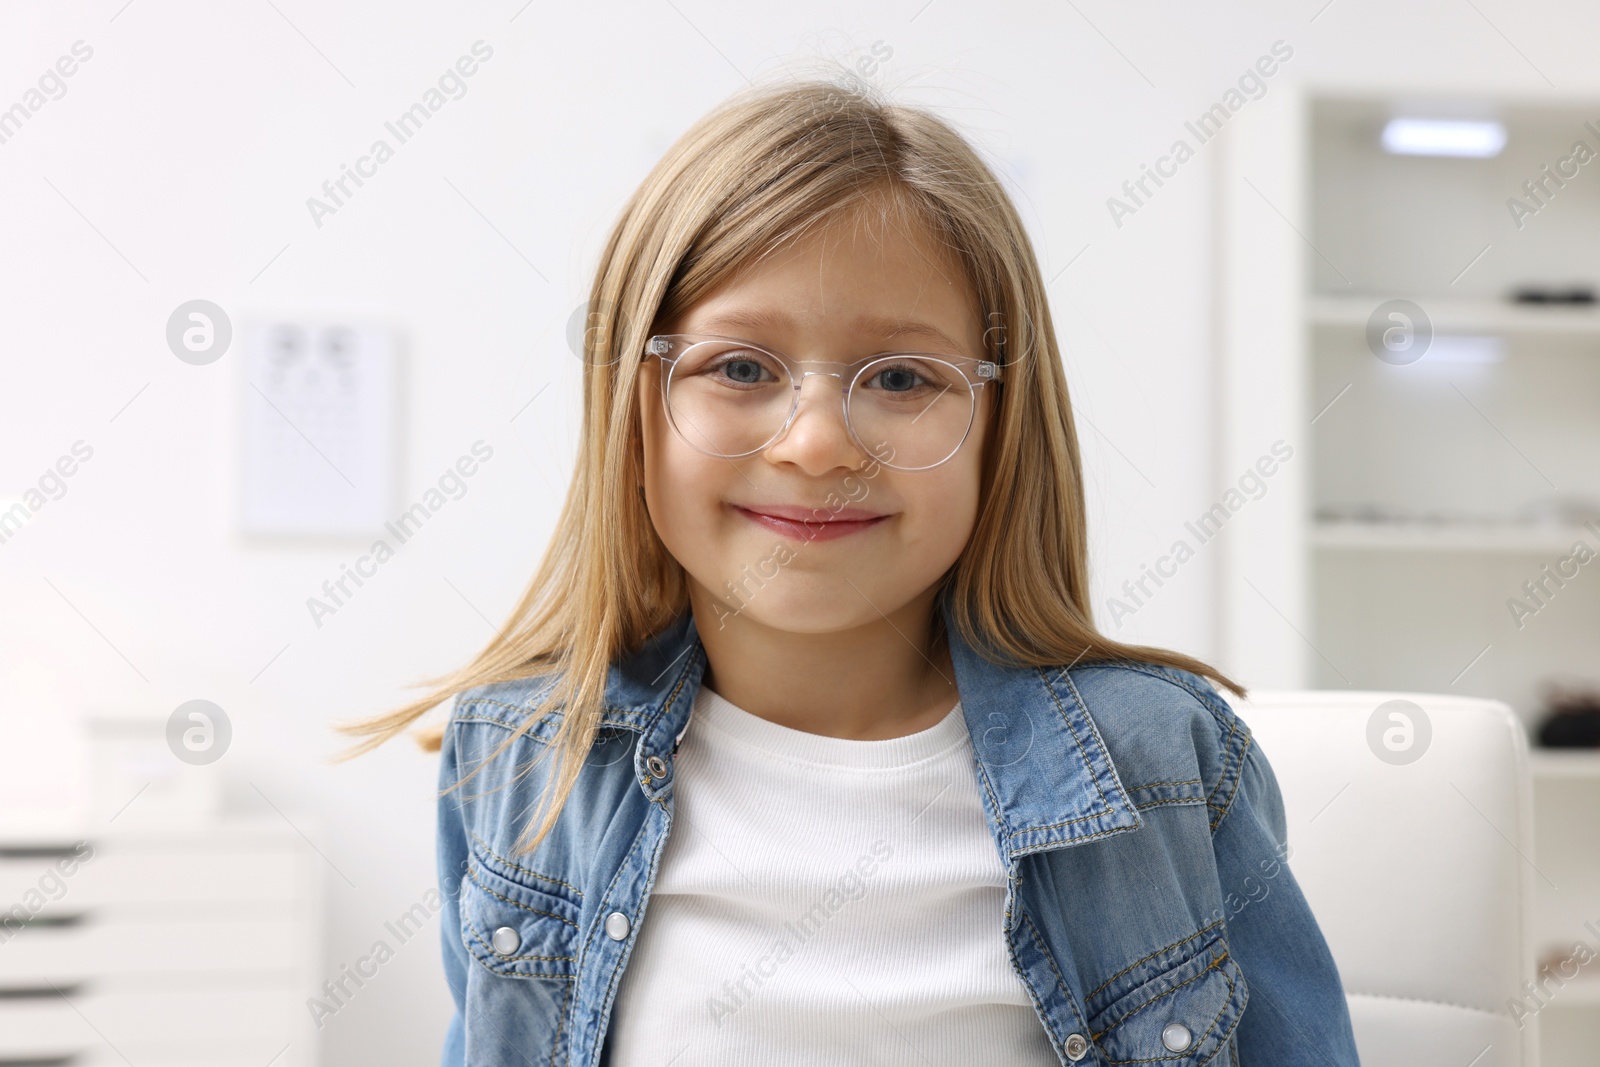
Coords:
pixel 177 166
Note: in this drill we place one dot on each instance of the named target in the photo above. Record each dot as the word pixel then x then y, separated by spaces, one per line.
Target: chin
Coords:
pixel 811 610
pixel 808 617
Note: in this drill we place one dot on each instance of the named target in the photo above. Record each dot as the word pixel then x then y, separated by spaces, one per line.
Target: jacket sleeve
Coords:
pixel 1296 1013
pixel 452 859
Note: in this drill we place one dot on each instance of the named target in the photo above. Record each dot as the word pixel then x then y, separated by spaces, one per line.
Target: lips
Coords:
pixel 810 524
pixel 816 514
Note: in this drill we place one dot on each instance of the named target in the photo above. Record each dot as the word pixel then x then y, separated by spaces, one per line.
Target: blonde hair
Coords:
pixel 758 171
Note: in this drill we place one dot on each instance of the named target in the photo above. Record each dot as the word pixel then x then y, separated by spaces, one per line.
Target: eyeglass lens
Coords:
pixel 728 399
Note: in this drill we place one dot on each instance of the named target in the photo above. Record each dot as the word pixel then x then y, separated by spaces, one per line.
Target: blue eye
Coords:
pixel 736 368
pixel 898 379
pixel 743 371
pixel 905 377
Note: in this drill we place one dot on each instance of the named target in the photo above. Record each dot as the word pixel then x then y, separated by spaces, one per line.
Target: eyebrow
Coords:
pixel 887 326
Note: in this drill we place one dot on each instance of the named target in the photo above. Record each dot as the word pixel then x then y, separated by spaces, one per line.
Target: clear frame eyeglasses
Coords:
pixel 731 398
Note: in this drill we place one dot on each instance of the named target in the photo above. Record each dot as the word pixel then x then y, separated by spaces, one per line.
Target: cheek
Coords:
pixel 951 511
pixel 941 509
pixel 683 490
pixel 665 476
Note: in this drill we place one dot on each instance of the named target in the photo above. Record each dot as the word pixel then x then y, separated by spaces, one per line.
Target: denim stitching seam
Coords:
pixel 1214 965
pixel 1066 995
pixel 1153 955
pixel 516 904
pixel 561 1021
pixel 525 870
pixel 1094 775
pixel 512 959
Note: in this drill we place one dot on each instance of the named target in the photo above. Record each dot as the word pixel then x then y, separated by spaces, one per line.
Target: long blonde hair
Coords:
pixel 760 170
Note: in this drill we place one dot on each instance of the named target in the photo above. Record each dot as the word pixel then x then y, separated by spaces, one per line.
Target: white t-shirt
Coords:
pixel 824 900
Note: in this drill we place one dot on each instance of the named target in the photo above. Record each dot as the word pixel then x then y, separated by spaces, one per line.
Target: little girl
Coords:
pixel 830 763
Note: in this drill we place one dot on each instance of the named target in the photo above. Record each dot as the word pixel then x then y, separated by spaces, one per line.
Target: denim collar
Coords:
pixel 1046 778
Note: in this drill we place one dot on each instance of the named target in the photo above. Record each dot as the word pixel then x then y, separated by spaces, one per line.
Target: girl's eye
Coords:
pixel 731 368
pixel 899 378
pixel 743 371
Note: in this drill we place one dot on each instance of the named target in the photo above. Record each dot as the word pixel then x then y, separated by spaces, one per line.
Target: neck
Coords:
pixel 881 678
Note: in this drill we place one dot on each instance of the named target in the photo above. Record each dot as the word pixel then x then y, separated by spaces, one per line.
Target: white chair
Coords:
pixel 1421 874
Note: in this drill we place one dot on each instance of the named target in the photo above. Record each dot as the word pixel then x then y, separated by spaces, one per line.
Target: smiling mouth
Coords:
pixel 813 524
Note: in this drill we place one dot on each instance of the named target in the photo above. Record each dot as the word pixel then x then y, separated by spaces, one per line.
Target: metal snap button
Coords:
pixel 617 926
pixel 1176 1037
pixel 657 767
pixel 506 941
pixel 1077 1047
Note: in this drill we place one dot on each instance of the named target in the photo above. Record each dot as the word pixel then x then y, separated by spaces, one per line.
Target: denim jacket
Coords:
pixel 1149 913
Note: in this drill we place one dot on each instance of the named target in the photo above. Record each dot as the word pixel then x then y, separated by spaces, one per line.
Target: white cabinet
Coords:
pixel 186 948
pixel 1428 496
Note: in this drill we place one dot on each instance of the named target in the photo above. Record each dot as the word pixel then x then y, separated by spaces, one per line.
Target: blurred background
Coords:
pixel 280 281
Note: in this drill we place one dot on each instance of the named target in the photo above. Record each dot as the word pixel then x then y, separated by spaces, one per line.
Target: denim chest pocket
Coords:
pixel 1177 1007
pixel 517 922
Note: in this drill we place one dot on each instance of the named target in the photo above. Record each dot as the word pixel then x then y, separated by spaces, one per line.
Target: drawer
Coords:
pixel 242 1053
pixel 134 946
pixel 159 872
pixel 235 1016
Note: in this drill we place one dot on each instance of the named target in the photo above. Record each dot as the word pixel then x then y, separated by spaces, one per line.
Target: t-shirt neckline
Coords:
pixel 714 711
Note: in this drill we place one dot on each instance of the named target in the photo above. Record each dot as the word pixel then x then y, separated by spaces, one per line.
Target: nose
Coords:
pixel 817 439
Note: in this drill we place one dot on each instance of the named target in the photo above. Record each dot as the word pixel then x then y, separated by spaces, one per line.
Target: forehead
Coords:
pixel 755 322
pixel 869 276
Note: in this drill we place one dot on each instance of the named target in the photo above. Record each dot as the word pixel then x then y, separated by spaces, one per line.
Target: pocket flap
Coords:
pixel 514 928
pixel 1178 1011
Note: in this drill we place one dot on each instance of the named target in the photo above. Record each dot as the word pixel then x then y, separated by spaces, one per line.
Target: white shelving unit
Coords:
pixel 1423 496
pixel 1555 765
pixel 1515 538
pixel 1457 315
